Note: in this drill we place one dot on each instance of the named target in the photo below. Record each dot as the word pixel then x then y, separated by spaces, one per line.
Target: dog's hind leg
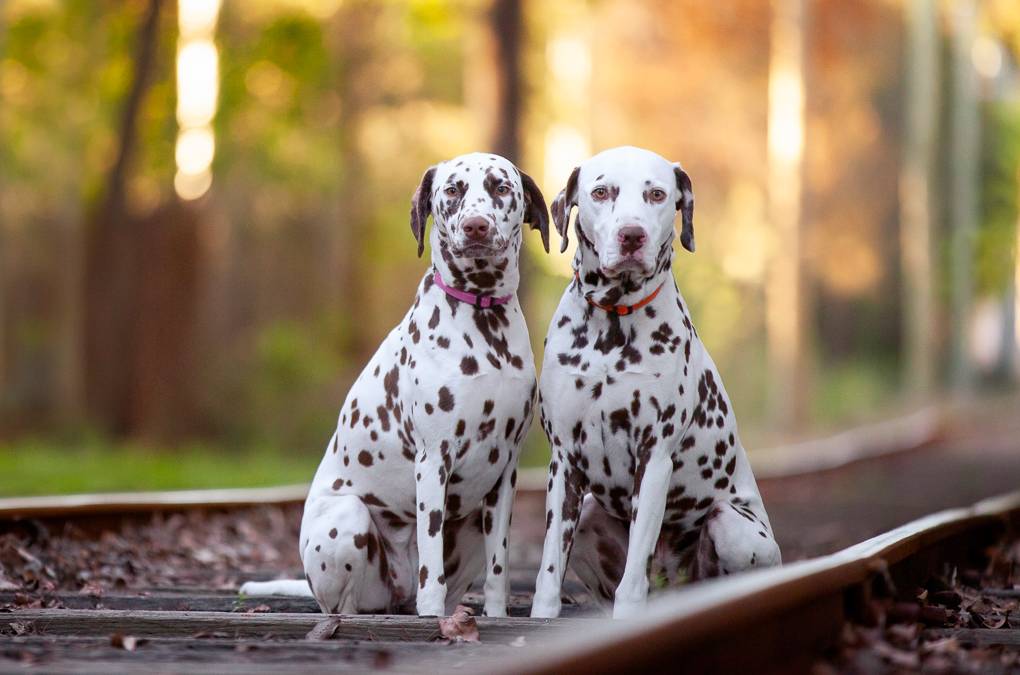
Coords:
pixel 600 551
pixel 496 513
pixel 463 556
pixel 344 557
pixel 736 536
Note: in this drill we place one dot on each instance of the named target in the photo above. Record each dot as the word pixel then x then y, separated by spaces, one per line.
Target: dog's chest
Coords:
pixel 451 381
pixel 448 337
pixel 614 388
pixel 598 364
pixel 471 391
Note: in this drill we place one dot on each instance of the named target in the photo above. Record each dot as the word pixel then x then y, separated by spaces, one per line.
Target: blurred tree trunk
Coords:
pixel 506 28
pixel 786 298
pixel 355 47
pixel 163 329
pixel 3 263
pixel 110 261
pixel 68 318
pixel 964 149
pixel 920 122
pixel 506 24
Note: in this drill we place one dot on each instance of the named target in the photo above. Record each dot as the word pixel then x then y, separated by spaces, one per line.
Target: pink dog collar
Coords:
pixel 478 300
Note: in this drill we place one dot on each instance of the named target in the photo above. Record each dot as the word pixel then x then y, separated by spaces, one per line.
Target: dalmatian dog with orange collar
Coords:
pixel 414 493
pixel 648 474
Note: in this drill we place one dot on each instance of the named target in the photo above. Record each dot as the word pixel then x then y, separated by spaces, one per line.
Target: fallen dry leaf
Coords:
pixel 381 660
pixel 92 588
pixel 126 642
pixel 991 619
pixel 896 657
pixel 902 634
pixel 210 635
pixel 947 598
pixel 948 645
pixel 324 630
pixel 22 627
pixel 460 627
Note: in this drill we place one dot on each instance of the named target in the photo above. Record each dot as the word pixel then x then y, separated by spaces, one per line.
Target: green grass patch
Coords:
pixel 39 466
pixel 853 391
pixel 845 394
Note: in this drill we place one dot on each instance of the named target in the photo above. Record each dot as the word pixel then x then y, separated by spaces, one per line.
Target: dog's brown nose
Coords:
pixel 631 238
pixel 476 228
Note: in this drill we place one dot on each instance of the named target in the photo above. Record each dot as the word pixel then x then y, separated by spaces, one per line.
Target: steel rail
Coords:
pixel 119 503
pixel 773 620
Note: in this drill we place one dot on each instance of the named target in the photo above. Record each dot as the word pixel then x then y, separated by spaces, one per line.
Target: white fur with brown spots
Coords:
pixel 414 493
pixel 647 469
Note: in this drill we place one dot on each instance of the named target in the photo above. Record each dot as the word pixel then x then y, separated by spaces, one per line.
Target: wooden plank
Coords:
pixel 985 637
pixel 144 623
pixel 207 601
pixel 203 602
pixel 128 666
pixel 88 653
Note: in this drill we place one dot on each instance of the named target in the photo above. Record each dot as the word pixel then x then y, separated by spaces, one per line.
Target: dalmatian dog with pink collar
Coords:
pixel 648 474
pixel 413 496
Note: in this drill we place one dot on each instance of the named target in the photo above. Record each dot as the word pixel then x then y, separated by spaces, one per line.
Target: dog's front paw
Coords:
pixel 431 604
pixel 495 609
pixel 626 609
pixel 631 595
pixel 545 608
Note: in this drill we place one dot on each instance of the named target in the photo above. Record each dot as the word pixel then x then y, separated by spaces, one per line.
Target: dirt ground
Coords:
pixel 964 620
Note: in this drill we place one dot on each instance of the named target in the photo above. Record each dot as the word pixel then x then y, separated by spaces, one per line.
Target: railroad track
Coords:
pixel 910 583
pixel 156 594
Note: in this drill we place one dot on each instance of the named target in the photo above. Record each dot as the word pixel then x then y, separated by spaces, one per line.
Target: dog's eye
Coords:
pixel 451 191
pixel 599 193
pixel 503 189
pixel 658 195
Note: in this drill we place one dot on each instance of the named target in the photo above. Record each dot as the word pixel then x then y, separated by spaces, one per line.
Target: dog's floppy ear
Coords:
pixel 685 205
pixel 564 203
pixel 536 213
pixel 421 208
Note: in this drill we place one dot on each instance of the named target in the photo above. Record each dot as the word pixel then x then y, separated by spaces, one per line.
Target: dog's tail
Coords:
pixel 296 588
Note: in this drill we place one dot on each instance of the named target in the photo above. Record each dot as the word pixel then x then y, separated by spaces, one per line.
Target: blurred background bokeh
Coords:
pixel 203 206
